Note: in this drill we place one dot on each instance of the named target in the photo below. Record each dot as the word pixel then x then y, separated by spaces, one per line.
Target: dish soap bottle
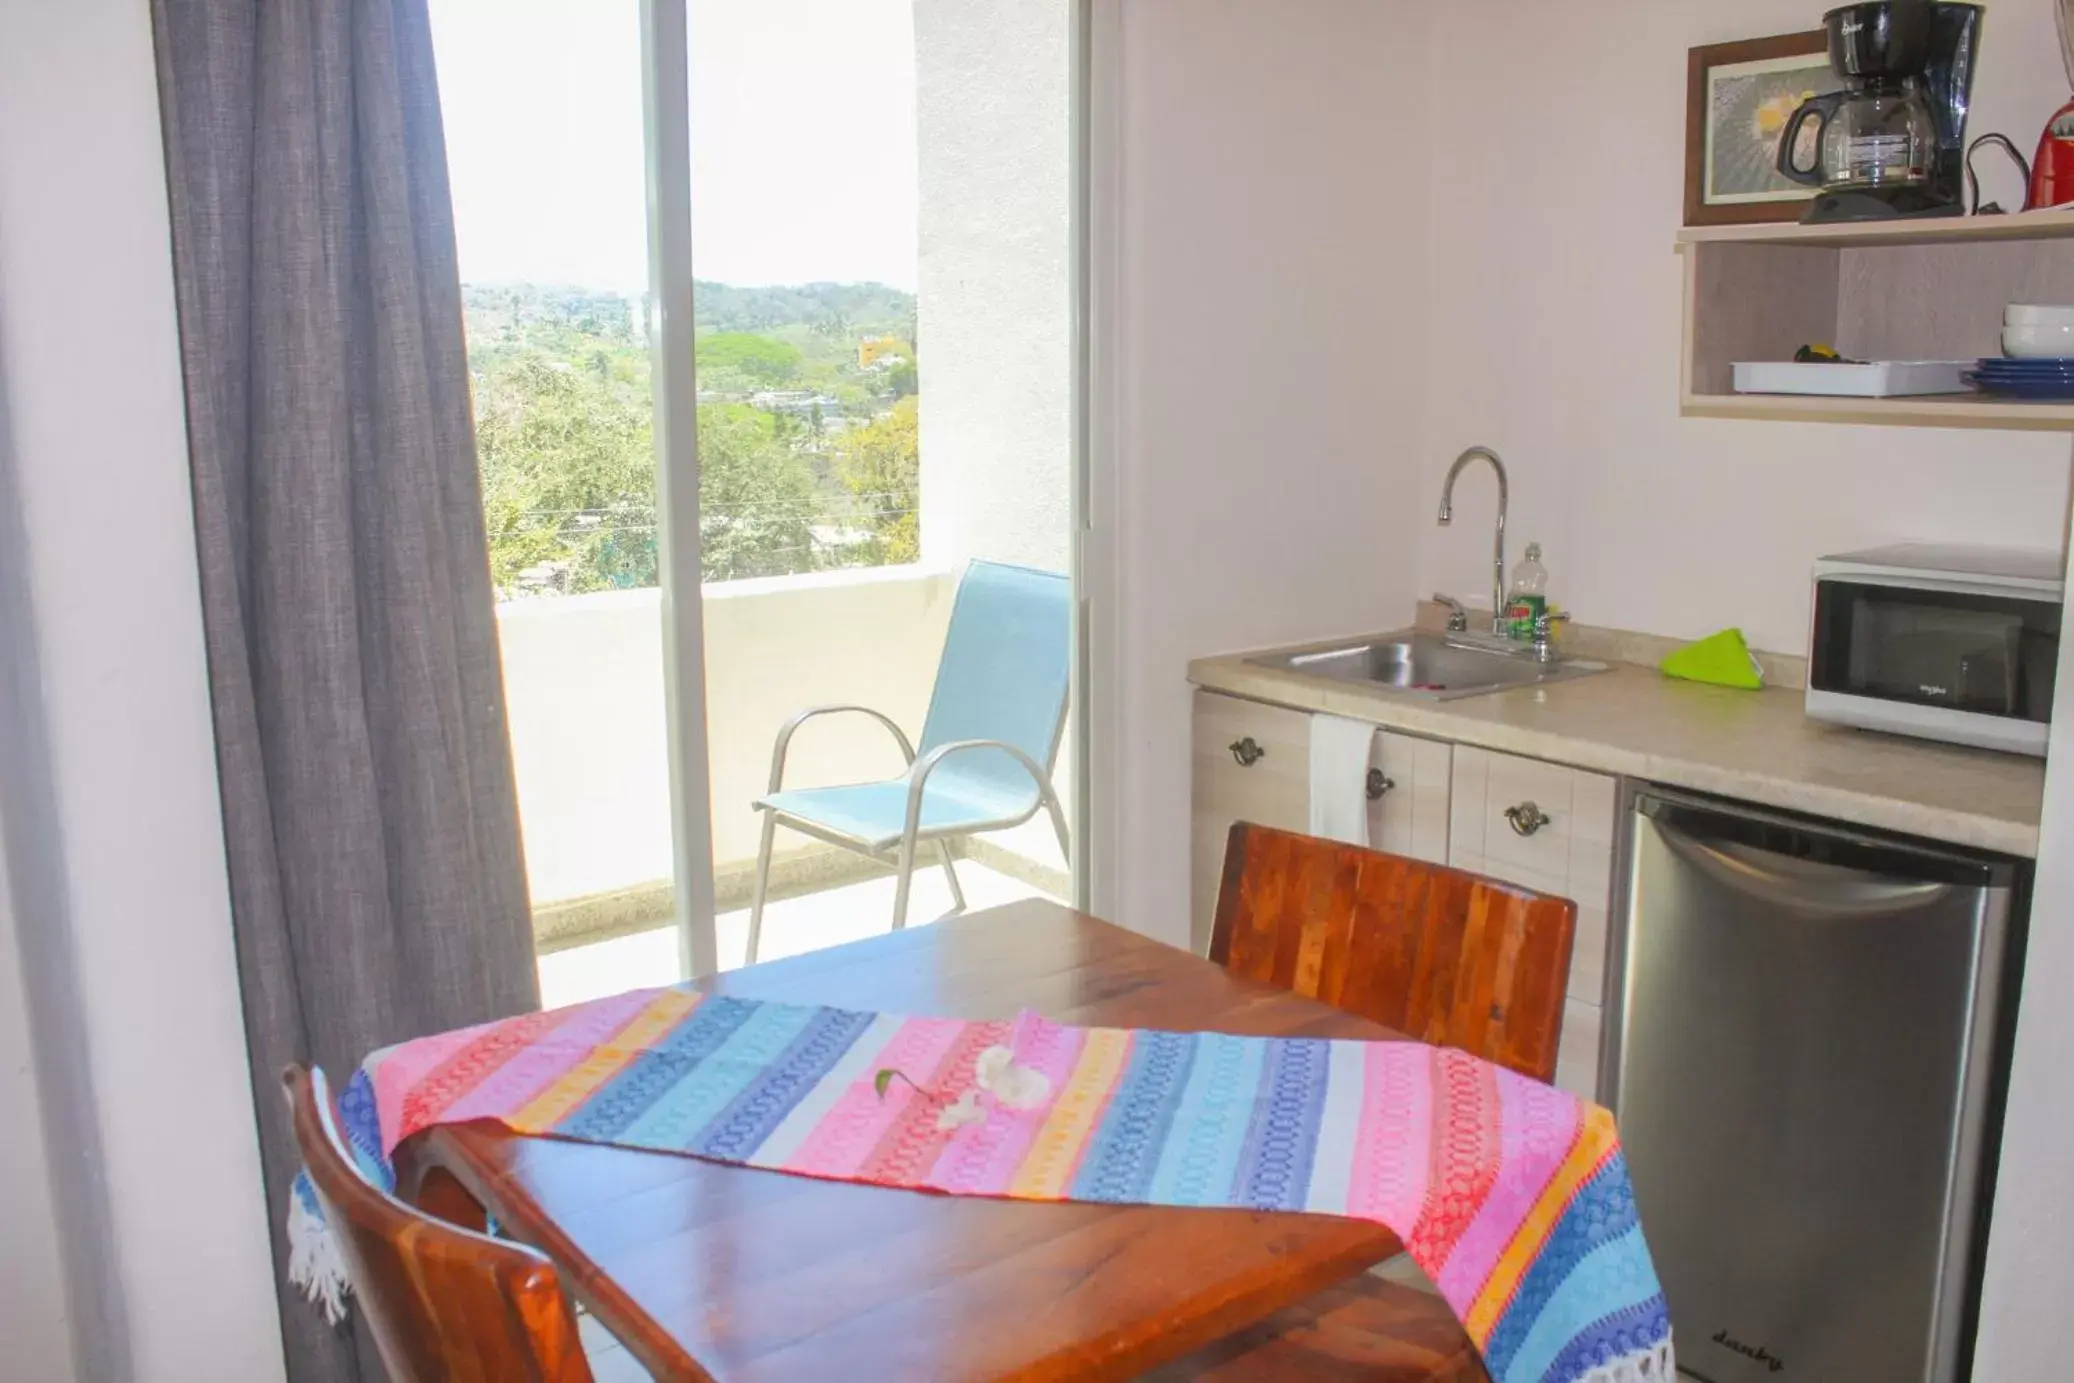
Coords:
pixel 1529 598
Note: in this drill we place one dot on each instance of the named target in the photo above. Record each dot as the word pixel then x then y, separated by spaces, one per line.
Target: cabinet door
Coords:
pixel 1251 762
pixel 1411 816
pixel 1549 828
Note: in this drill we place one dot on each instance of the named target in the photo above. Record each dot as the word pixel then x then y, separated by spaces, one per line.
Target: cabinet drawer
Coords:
pixel 1547 820
pixel 1568 855
pixel 1267 780
pixel 1250 762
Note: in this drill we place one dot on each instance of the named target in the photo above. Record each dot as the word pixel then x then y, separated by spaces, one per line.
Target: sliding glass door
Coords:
pixel 773 315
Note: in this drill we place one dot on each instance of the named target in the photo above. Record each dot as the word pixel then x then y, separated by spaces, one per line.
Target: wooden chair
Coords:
pixel 445 1305
pixel 1447 957
pixel 1450 958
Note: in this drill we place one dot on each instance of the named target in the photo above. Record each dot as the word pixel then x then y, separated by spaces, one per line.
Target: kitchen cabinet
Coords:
pixel 1540 825
pixel 1549 828
pixel 1252 762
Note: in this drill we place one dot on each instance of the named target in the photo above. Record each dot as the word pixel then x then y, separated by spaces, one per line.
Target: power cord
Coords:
pixel 1973 179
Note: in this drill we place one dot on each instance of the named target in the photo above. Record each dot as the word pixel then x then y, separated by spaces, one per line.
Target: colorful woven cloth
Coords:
pixel 1512 1196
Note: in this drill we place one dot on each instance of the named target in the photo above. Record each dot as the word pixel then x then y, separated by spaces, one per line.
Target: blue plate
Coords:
pixel 2037 390
pixel 2028 367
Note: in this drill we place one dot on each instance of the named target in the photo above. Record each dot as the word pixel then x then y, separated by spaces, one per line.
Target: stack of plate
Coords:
pixel 2038 343
pixel 2025 379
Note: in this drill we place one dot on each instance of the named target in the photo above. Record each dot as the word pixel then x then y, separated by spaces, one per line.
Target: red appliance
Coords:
pixel 2052 172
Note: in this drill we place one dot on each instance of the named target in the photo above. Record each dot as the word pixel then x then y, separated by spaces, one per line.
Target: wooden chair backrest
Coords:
pixel 1438 954
pixel 443 1303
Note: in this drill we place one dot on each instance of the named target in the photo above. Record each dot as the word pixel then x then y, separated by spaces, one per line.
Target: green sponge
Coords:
pixel 1722 659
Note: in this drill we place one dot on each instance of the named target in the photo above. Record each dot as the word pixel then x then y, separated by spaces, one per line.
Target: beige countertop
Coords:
pixel 1756 746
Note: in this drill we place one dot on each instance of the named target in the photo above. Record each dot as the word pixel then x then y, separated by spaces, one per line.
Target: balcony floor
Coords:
pixel 791 927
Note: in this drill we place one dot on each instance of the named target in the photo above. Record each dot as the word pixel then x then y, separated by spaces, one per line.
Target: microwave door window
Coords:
pixel 1954 658
pixel 1986 655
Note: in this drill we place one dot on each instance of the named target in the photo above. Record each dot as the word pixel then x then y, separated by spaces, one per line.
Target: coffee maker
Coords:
pixel 1892 143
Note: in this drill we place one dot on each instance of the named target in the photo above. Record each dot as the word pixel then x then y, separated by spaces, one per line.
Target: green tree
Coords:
pixel 757 501
pixel 569 492
pixel 880 463
pixel 568 475
pixel 730 359
pixel 562 391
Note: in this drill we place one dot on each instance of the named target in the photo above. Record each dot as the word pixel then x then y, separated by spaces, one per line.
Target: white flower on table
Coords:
pixel 965 1111
pixel 1016 1087
pixel 996 1074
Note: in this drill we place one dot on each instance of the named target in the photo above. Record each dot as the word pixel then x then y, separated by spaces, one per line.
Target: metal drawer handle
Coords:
pixel 1247 752
pixel 1379 785
pixel 1527 818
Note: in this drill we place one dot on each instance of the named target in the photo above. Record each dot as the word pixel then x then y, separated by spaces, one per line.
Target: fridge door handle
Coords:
pixel 1805 887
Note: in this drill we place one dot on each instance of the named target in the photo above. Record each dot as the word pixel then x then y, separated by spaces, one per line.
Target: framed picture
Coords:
pixel 1739 97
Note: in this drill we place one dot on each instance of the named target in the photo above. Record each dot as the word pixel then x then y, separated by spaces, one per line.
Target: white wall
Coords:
pixel 2030 1272
pixel 994 128
pixel 112 821
pixel 1269 240
pixel 1555 185
pixel 35 1314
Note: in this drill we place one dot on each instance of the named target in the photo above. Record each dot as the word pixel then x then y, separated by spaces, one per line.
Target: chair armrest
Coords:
pixel 784 744
pixel 918 774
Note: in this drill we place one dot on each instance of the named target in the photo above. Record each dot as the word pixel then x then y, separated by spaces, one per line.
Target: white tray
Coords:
pixel 1878 380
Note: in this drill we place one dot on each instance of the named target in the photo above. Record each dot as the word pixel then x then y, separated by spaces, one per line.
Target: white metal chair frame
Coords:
pixel 914 833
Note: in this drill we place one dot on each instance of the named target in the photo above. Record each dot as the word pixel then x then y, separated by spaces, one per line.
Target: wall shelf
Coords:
pixel 1893 290
pixel 1937 410
pixel 1949 230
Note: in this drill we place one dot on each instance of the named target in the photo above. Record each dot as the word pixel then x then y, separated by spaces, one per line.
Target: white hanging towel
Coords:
pixel 1339 778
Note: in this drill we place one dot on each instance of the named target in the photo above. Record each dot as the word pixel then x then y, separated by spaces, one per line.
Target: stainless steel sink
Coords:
pixel 1426 665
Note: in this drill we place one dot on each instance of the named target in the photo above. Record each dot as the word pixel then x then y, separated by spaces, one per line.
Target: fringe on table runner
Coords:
pixel 314 1262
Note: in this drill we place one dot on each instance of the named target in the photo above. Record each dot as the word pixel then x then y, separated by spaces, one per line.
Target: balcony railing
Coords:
pixel 584 687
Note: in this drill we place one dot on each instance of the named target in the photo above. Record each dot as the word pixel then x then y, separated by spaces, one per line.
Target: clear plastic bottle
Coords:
pixel 1528 600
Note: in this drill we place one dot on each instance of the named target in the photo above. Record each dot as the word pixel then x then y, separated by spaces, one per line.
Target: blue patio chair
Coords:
pixel 988 745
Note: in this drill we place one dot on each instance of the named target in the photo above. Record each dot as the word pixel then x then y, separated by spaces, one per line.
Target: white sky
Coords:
pixel 802 131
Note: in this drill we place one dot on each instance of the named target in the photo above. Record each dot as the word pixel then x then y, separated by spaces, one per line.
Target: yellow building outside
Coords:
pixel 873 349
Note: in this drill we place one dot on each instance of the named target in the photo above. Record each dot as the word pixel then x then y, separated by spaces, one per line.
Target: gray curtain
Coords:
pixel 376 876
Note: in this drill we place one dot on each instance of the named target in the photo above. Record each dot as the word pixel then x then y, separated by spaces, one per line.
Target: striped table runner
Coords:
pixel 1512 1196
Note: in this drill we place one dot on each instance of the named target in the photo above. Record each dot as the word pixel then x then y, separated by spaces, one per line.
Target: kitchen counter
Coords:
pixel 1756 746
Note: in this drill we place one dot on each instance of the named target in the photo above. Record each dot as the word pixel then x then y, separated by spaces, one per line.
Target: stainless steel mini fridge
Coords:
pixel 1802 1064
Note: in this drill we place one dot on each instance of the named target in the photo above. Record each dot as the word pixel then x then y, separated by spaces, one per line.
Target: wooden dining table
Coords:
pixel 705 1271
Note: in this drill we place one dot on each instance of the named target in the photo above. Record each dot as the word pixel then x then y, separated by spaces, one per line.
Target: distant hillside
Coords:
pixel 836 309
pixel 840 314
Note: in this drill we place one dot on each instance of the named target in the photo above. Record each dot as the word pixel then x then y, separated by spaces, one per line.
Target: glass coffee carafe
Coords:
pixel 1879 137
pixel 1891 142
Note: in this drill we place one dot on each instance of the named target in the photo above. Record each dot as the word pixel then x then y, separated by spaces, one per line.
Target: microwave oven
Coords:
pixel 1945 643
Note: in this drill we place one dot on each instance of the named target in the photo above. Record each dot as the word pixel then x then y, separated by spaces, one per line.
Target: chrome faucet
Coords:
pixel 1544 647
pixel 1447 515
